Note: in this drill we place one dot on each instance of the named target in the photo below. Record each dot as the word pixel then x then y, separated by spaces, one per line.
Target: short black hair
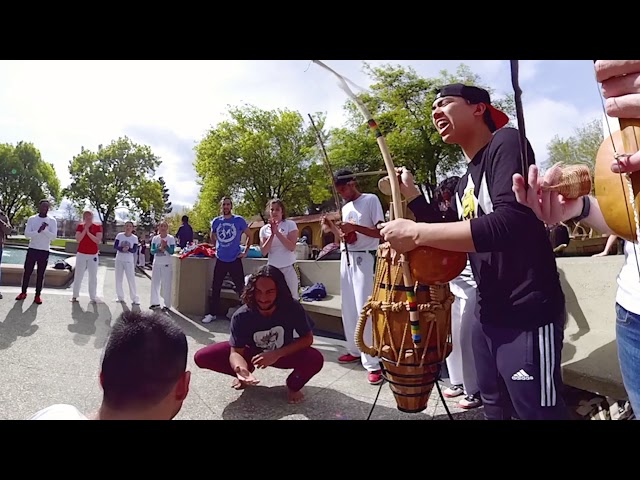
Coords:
pixel 185 218
pixel 144 358
pixel 283 294
pixel 449 183
pixel 343 172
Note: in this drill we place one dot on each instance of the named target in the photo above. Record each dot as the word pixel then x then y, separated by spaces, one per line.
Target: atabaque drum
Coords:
pixel 411 369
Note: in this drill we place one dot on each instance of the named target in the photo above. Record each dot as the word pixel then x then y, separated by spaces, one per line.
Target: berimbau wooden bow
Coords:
pixel 414 316
pixel 336 197
pixel 520 118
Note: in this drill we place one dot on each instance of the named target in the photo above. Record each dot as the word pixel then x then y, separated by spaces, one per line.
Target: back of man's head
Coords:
pixel 144 366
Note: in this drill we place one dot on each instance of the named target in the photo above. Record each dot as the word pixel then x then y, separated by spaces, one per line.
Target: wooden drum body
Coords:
pixel 411 370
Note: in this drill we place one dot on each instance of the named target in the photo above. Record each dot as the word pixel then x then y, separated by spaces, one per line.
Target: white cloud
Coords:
pixel 545 118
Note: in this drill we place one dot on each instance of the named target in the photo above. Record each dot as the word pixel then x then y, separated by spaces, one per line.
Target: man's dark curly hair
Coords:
pixel 283 295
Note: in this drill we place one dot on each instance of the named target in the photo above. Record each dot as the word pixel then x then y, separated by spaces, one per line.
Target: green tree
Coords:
pixel 400 100
pixel 25 179
pixel 165 196
pixel 254 156
pixel 118 175
pixel 581 148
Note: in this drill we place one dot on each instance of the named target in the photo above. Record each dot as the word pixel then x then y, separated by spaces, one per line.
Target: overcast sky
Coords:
pixel 169 105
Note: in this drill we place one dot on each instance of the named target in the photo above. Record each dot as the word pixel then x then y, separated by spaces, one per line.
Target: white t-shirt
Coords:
pixel 42 240
pixel 123 240
pixel 164 257
pixel 628 295
pixel 59 412
pixel 366 210
pixel 279 255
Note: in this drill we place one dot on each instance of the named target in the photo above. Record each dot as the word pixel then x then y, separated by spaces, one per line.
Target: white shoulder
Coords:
pixel 59 412
pixel 373 198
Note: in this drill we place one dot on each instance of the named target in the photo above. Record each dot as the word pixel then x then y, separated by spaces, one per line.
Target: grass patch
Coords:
pixel 60 242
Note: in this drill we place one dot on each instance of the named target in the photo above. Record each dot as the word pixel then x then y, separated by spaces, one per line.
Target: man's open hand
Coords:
pixel 265 359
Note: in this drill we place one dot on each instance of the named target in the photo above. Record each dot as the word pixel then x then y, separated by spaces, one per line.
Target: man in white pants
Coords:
pixel 88 236
pixel 126 245
pixel 162 247
pixel 460 362
pixel 360 217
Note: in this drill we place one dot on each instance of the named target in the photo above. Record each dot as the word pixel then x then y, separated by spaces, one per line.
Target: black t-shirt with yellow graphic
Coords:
pixel 514 264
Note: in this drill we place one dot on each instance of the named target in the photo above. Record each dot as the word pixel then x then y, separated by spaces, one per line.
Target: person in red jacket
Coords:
pixel 88 236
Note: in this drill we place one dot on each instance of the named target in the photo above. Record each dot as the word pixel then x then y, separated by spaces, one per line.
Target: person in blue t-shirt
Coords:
pixel 226 232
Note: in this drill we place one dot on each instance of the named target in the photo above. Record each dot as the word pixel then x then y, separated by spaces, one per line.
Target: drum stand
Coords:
pixel 444 402
pixel 438 380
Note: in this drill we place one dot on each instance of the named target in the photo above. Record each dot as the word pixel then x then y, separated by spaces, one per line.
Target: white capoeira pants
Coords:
pixel 356 286
pixel 128 269
pixel 460 362
pixel 161 278
pixel 89 263
pixel 291 277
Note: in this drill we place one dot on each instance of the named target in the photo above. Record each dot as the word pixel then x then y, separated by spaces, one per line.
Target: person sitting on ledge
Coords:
pixel 262 336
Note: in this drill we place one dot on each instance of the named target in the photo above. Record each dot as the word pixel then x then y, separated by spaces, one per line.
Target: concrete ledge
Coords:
pixel 53 278
pixel 590 354
pixel 331 305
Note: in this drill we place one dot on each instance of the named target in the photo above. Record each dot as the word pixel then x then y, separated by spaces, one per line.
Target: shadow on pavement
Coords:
pixel 85 324
pixel 194 329
pixel 18 323
pixel 270 403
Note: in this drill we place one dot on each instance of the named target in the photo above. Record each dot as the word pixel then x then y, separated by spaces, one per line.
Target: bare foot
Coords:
pixel 238 385
pixel 295 397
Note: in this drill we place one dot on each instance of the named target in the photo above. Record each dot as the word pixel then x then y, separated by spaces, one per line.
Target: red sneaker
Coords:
pixel 375 378
pixel 38 300
pixel 22 296
pixel 348 358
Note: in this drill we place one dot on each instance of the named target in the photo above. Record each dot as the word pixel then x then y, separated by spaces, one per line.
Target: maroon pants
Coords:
pixel 305 363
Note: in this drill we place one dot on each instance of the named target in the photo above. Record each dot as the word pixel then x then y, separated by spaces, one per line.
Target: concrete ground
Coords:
pixel 51 353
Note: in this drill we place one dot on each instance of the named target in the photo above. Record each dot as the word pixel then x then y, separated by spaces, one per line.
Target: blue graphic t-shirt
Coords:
pixel 228 233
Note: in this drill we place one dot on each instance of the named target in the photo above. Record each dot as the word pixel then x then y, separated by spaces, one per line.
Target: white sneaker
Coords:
pixel 208 318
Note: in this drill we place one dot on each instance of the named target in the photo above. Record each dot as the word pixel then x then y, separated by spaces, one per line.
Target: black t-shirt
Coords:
pixel 514 264
pixel 251 329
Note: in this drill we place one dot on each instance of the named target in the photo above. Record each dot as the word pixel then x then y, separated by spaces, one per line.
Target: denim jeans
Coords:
pixel 628 338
